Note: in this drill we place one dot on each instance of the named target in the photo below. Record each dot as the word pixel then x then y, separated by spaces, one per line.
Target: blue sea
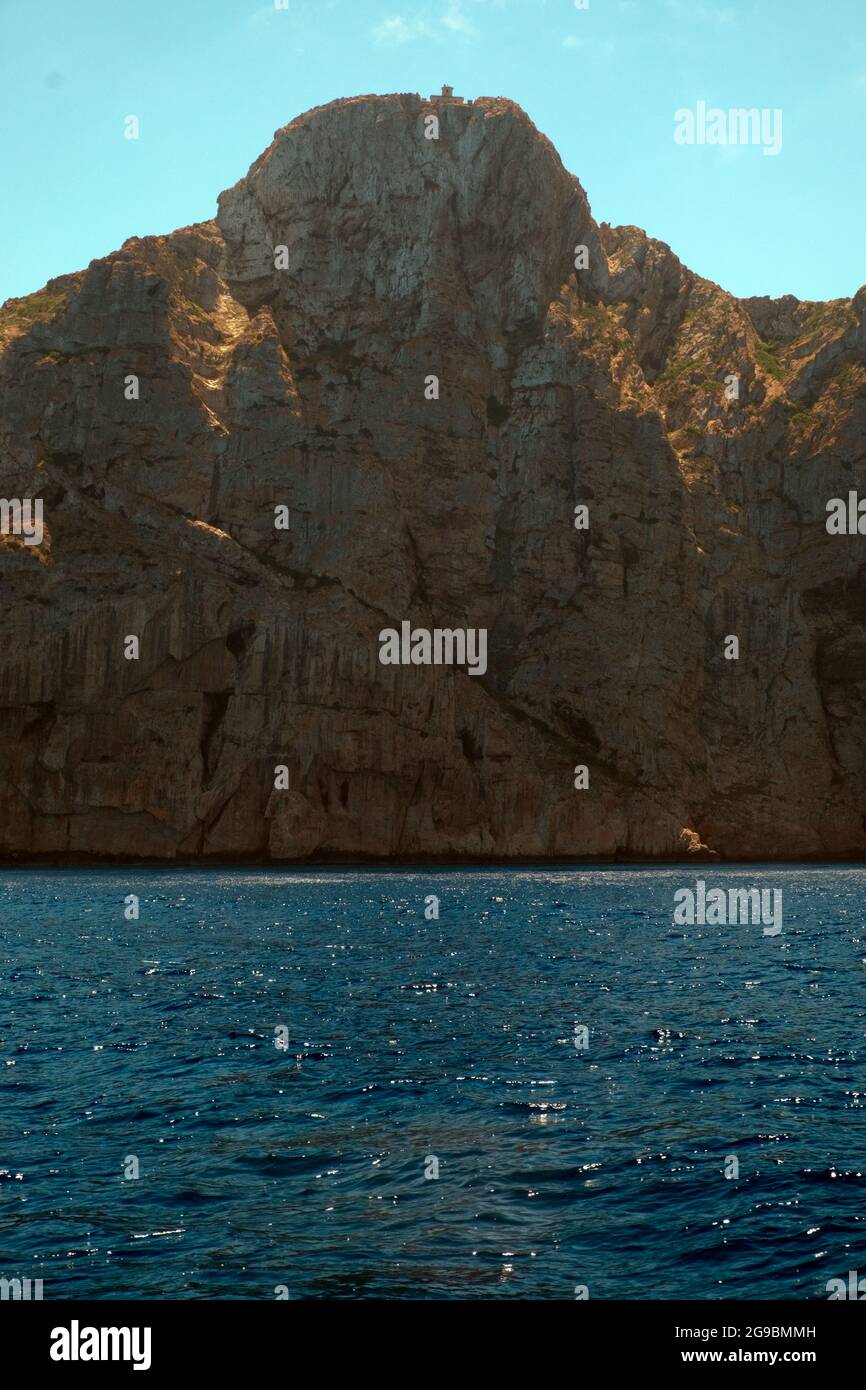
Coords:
pixel 288 1059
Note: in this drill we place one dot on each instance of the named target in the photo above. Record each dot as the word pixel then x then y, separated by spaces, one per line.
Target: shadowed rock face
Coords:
pixel 304 387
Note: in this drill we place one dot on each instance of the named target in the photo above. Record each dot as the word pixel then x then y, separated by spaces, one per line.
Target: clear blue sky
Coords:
pixel 211 80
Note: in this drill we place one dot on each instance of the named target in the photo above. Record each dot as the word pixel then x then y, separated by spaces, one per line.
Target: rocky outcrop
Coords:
pixel 164 402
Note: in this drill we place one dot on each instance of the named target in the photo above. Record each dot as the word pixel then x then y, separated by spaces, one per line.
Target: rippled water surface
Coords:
pixel 411 1039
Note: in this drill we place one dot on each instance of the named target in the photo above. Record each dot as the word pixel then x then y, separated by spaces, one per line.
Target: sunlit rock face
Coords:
pixel 164 402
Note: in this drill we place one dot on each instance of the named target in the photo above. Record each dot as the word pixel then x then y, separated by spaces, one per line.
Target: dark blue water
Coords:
pixel 412 1039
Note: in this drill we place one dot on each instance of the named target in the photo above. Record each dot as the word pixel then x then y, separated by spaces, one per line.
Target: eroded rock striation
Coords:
pixel 304 387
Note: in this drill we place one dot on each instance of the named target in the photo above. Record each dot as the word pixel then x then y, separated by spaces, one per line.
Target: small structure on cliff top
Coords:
pixel 448 94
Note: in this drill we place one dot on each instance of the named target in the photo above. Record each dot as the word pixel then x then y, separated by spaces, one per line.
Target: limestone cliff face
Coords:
pixel 304 387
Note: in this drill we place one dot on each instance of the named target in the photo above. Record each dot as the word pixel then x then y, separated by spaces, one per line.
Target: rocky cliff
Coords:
pixel 165 402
